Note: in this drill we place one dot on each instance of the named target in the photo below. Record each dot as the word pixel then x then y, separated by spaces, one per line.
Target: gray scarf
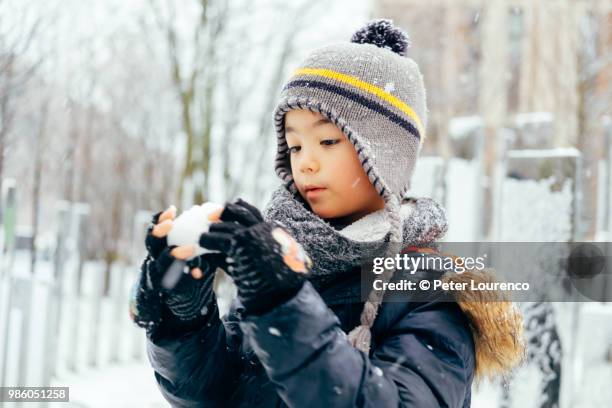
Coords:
pixel 339 250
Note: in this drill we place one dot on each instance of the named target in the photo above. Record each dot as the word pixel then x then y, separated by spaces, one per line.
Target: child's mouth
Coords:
pixel 314 192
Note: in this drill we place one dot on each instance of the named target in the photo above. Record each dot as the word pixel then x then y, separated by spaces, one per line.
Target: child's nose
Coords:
pixel 309 163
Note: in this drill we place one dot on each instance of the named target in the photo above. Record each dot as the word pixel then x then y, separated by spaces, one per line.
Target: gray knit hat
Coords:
pixel 370 90
pixel 376 96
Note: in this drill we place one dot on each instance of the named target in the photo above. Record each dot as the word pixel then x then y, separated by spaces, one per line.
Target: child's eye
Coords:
pixel 330 142
pixel 293 149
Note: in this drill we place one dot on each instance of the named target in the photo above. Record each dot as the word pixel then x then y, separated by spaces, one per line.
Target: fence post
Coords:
pixel 9 201
pixel 96 280
pixel 22 297
pixel 57 288
pixel 119 309
pixel 557 167
pixel 428 179
pixel 464 178
pixel 9 214
pixel 604 205
pixel 80 212
pixel 534 130
pixel 543 185
pixel 607 204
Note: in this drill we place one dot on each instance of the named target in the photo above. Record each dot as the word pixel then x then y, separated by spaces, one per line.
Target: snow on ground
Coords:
pixel 86 366
pixel 118 385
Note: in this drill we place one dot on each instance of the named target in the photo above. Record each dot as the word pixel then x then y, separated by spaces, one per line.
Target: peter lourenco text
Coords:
pixel 413 263
pixel 438 284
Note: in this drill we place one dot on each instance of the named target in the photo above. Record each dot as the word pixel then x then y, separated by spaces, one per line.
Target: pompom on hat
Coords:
pixel 375 94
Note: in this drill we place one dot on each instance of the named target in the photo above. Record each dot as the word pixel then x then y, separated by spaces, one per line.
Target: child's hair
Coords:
pixel 375 94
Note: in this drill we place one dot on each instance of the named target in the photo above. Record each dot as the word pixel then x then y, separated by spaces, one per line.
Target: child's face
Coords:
pixel 321 155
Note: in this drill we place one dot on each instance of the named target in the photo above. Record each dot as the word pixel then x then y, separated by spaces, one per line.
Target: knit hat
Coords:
pixel 375 94
pixel 370 90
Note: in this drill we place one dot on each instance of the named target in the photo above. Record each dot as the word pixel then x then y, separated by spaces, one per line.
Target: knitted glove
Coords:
pixel 156 239
pixel 267 264
pixel 189 302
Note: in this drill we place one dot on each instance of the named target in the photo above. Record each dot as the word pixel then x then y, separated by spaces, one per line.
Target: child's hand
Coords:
pixel 161 224
pixel 189 295
pixel 156 242
pixel 267 264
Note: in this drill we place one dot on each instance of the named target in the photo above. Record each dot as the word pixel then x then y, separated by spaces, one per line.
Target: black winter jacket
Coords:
pixel 297 355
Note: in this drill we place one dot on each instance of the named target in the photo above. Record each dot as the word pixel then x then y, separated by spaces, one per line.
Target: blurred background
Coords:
pixel 112 110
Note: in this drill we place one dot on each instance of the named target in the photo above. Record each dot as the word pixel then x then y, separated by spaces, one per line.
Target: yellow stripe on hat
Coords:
pixel 373 89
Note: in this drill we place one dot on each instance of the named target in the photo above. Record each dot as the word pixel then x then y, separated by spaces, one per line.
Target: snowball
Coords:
pixel 188 226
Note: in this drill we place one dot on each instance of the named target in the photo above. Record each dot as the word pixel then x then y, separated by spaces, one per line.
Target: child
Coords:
pixel 350 123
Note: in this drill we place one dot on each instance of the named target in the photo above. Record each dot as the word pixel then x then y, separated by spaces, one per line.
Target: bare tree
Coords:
pixel 39 148
pixel 16 37
pixel 214 95
pixel 194 82
pixel 593 94
pixel 264 136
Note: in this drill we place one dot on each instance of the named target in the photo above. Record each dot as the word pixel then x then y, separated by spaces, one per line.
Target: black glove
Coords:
pixel 155 245
pixel 267 264
pixel 187 304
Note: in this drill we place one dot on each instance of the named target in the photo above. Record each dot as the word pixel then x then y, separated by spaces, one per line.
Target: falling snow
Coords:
pixel 274 331
pixel 377 370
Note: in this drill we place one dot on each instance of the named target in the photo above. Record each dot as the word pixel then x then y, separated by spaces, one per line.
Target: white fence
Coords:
pixel 57 321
